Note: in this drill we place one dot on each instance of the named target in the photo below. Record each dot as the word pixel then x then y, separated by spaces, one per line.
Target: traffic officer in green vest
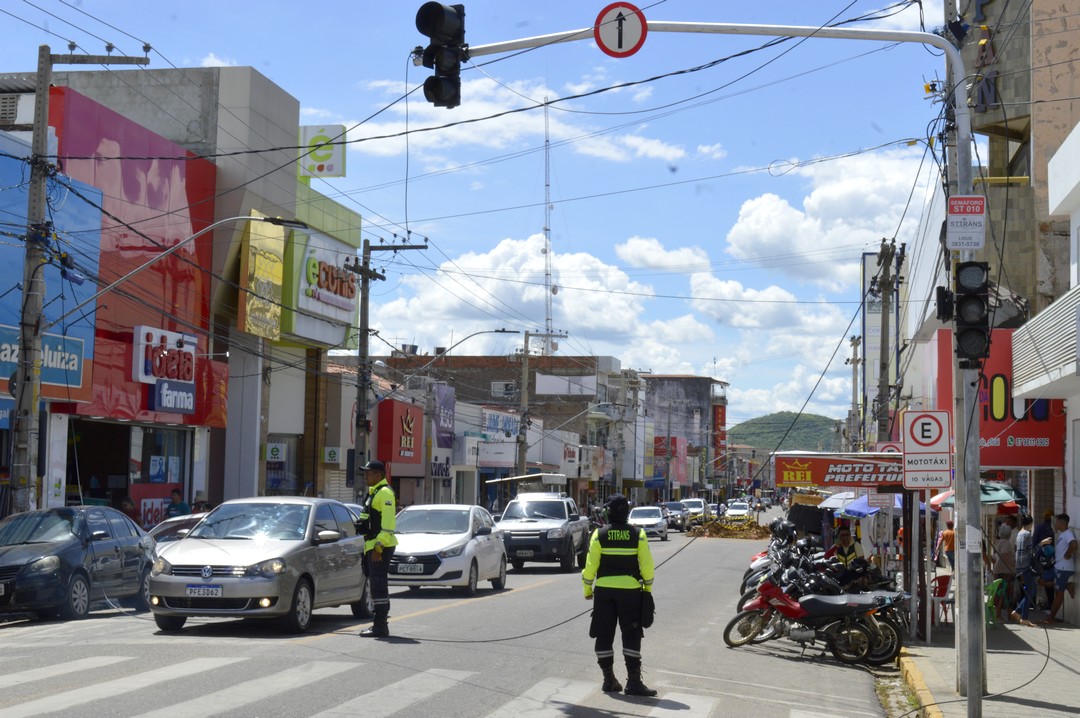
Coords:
pixel 377 522
pixel 619 570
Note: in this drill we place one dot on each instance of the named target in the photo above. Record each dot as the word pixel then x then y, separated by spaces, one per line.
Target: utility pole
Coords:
pixel 853 416
pixel 26 420
pixel 363 363
pixel 523 398
pixel 885 289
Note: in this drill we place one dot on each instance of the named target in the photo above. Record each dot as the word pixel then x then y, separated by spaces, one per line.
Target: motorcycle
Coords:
pixel 844 623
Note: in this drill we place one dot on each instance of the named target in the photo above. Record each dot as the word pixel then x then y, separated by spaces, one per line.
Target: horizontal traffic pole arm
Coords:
pixel 98 60
pixel 722 28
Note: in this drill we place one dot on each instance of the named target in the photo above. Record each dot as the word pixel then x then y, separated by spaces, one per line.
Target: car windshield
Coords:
pixel 283 521
pixel 535 510
pixel 675 506
pixel 40 527
pixel 738 507
pixel 696 504
pixel 645 513
pixel 432 521
pixel 170 530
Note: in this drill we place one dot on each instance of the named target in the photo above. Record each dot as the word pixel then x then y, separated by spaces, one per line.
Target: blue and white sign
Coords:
pixel 177 397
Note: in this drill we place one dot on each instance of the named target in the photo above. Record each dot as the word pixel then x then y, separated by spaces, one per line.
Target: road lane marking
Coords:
pixel 549 698
pixel 59 669
pixel 398 696
pixel 110 689
pixel 686 705
pixel 237 696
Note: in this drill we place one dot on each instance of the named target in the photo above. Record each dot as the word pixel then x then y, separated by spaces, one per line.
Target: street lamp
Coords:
pixel 27 421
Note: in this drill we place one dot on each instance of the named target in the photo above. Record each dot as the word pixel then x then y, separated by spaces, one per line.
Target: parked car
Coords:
pixel 59 561
pixel 174 528
pixel 276 557
pixel 678 516
pixel 448 545
pixel 698 509
pixel 738 511
pixel 650 518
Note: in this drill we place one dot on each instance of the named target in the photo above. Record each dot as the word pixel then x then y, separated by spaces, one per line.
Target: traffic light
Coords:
pixel 445 26
pixel 972 310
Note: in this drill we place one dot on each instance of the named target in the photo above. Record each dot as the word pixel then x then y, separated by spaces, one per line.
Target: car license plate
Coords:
pixel 410 568
pixel 203 590
pixel 524 552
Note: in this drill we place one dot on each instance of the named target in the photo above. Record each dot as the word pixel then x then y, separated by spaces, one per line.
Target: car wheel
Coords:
pixel 77 599
pixel 663 536
pixel 499 582
pixel 169 624
pixel 469 589
pixel 365 607
pixel 142 598
pixel 566 563
pixel 517 563
pixel 299 616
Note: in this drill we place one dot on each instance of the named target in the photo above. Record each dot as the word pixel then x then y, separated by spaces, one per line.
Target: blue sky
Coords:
pixel 704 221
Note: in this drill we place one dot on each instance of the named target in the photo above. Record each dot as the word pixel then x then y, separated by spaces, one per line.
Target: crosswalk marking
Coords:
pixel 109 689
pixel 686 705
pixel 242 694
pixel 59 669
pixel 397 696
pixel 547 699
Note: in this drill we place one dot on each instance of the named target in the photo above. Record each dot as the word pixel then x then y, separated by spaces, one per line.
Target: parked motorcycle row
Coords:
pixel 791 591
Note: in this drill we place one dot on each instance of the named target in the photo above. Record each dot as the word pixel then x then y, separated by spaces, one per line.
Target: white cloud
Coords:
pixel 212 60
pixel 712 152
pixel 649 252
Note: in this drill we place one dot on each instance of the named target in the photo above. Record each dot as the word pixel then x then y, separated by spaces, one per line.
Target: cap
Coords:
pixel 1048 514
pixel 616 499
pixel 374 465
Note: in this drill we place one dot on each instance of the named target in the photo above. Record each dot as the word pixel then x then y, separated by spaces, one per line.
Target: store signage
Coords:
pixel 401 433
pixel 331 455
pixel 322 151
pixel 277 451
pixel 854 469
pixel 61 357
pixel 322 294
pixel 173 396
pixel 159 354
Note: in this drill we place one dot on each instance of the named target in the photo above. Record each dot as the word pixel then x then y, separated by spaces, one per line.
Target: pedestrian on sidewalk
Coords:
pixel 946 542
pixel 1004 567
pixel 1042 531
pixel 1064 566
pixel 1025 572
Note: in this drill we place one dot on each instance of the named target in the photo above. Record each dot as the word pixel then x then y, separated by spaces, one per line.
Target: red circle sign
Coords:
pixel 620 29
pixel 937 430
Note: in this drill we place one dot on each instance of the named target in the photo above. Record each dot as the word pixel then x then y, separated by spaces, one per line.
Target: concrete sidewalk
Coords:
pixel 1029 672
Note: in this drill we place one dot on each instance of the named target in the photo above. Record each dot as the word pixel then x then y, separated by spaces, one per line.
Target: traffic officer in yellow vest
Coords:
pixel 377 522
pixel 619 568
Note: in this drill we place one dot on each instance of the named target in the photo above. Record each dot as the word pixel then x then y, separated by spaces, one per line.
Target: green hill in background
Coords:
pixel 811 432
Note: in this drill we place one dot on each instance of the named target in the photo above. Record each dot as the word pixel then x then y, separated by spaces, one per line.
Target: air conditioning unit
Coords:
pixel 503 389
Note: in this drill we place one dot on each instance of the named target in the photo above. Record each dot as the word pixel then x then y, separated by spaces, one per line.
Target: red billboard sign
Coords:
pixel 858 469
pixel 401 433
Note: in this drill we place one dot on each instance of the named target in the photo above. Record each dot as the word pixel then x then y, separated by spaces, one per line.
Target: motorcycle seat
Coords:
pixel 818 605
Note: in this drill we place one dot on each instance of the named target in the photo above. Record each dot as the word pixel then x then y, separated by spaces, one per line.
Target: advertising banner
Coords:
pixel 856 469
pixel 445 401
pixel 262 268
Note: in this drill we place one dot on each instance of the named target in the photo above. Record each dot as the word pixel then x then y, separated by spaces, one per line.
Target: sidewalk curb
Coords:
pixel 914 679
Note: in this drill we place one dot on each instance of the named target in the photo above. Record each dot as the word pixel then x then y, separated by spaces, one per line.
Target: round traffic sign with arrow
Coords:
pixel 620 29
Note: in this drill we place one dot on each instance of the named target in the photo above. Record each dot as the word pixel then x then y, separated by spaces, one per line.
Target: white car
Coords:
pixel 448 545
pixel 650 518
pixel 737 511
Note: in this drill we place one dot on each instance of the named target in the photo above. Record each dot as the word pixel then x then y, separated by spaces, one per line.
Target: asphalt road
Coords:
pixel 521 651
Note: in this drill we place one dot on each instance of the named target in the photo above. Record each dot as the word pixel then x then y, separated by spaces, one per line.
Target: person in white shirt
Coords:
pixel 1064 565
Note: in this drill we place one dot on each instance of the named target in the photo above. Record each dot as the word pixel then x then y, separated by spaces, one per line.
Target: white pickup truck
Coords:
pixel 545 527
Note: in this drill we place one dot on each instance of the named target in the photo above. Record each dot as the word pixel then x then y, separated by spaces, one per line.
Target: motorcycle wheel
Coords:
pixel 850 643
pixel 888 647
pixel 772 630
pixel 742 629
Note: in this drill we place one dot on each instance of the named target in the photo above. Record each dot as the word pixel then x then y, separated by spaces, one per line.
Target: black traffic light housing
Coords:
pixel 445 26
pixel 972 310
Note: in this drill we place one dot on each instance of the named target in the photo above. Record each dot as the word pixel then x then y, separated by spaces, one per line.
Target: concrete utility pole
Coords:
pixel 853 417
pixel 26 420
pixel 363 363
pixel 523 398
pixel 885 290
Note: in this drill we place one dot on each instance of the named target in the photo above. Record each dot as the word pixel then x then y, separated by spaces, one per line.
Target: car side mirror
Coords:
pixel 328 536
pixel 483 531
pixel 575 517
pixel 496 517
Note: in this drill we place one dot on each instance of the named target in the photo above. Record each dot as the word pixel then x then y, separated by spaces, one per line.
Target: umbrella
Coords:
pixel 990 492
pixel 838 500
pixel 860 508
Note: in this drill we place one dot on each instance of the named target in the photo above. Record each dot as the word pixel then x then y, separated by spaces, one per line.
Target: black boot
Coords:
pixel 634 686
pixel 611 683
pixel 378 629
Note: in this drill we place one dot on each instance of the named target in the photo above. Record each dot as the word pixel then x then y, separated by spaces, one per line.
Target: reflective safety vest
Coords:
pixel 619 557
pixel 379 517
pixel 847 553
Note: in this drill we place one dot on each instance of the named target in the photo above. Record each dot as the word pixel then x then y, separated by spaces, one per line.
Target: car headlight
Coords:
pixel 557 533
pixel 43 566
pixel 161 566
pixel 454 550
pixel 273 567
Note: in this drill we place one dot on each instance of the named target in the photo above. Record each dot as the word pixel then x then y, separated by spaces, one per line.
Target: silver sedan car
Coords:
pixel 650 518
pixel 268 557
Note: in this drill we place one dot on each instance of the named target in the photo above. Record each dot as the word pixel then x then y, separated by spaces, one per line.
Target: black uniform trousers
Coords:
pixel 376 572
pixel 617 607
